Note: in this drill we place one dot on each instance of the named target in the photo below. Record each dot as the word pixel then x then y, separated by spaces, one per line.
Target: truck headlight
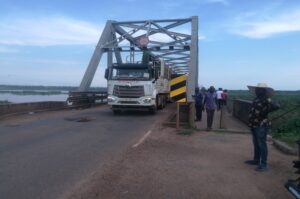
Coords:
pixel 147 100
pixel 110 99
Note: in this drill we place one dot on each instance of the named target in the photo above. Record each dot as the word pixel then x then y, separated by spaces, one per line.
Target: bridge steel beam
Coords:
pixel 97 55
pixel 179 49
pixel 193 64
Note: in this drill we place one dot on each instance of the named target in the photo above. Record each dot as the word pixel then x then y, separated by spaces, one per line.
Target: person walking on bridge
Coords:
pixel 259 123
pixel 198 104
pixel 210 106
pixel 219 98
pixel 225 97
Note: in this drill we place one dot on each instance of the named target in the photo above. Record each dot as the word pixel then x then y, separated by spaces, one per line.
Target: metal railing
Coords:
pixel 86 98
pixel 240 109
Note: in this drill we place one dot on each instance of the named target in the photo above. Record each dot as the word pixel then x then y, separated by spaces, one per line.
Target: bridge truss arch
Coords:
pixel 173 40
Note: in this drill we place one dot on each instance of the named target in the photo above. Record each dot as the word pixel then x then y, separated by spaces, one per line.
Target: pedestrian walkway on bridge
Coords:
pixel 229 122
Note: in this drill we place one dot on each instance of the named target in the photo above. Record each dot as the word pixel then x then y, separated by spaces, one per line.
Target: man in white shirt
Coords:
pixel 219 98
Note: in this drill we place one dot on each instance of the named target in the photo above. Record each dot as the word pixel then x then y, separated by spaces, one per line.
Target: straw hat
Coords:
pixel 270 91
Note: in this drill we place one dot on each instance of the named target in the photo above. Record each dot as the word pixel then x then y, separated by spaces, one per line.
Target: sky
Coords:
pixel 242 42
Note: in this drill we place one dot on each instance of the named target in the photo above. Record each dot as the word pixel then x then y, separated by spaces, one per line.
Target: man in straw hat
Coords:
pixel 259 123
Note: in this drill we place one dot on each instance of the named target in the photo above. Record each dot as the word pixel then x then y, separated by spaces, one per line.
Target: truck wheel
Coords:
pixel 153 109
pixel 159 102
pixel 164 101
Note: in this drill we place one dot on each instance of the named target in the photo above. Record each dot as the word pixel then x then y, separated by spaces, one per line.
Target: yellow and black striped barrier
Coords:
pixel 178 88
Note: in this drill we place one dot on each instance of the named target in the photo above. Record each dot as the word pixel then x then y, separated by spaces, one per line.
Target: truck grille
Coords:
pixel 128 91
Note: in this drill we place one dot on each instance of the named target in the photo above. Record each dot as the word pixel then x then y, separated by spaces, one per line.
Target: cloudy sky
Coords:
pixel 243 42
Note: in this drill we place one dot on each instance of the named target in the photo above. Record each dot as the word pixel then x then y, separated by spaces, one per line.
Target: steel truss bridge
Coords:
pixel 173 40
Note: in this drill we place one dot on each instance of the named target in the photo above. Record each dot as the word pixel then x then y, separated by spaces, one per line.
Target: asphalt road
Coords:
pixel 44 155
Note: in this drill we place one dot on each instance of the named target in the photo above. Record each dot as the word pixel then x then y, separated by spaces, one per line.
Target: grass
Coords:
pixel 289 138
pixel 285 128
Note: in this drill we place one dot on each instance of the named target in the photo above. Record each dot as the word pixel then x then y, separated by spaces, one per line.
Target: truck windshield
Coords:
pixel 139 74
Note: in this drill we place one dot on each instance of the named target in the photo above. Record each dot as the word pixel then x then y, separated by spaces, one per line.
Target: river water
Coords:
pixel 13 98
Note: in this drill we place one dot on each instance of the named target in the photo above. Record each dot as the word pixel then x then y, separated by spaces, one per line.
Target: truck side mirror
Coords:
pixel 106 73
pixel 156 74
pixel 153 73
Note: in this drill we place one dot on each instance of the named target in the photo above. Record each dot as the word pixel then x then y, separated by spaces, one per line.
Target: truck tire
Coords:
pixel 153 109
pixel 164 101
pixel 159 102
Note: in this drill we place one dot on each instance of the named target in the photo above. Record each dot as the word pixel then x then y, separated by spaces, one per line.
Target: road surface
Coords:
pixel 203 165
pixel 44 155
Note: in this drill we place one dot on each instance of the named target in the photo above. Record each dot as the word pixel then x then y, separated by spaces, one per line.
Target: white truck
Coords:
pixel 136 86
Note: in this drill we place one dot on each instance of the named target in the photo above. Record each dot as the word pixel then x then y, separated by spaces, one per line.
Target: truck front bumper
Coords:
pixel 142 102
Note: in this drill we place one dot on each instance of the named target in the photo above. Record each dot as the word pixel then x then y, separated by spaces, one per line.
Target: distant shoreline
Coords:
pixel 23 88
pixel 33 92
pixel 19 93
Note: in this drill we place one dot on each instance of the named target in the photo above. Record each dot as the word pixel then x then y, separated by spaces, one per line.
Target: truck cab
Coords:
pixel 136 86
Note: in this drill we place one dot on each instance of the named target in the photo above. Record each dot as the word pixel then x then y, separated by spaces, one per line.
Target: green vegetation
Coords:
pixel 285 127
pixel 238 94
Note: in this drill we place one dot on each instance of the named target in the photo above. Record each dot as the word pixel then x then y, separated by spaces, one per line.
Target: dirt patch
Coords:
pixel 202 165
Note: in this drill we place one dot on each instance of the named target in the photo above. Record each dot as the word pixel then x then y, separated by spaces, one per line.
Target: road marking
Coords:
pixel 142 139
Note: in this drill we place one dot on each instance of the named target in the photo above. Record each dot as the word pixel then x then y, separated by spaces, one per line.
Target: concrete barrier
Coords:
pixel 285 148
pixel 240 109
pixel 10 109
